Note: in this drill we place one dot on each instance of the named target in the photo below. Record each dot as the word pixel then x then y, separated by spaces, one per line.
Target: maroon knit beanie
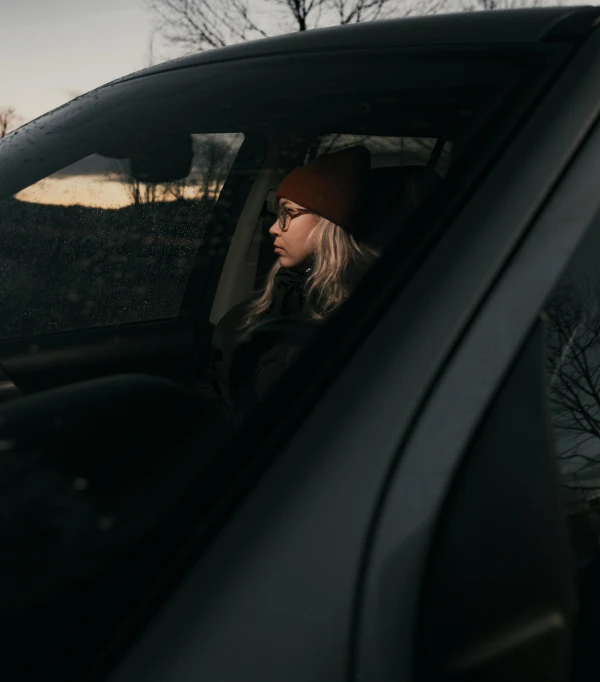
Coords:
pixel 333 186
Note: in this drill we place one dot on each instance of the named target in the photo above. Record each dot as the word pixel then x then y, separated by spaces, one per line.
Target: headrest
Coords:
pixel 414 182
pixel 395 193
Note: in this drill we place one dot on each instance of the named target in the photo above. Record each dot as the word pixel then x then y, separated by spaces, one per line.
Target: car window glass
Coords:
pixel 82 251
pixel 571 318
pixel 392 151
pixel 386 152
pixel 572 336
pixel 92 246
pixel 414 152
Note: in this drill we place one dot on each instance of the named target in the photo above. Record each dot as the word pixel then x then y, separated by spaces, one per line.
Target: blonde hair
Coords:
pixel 339 262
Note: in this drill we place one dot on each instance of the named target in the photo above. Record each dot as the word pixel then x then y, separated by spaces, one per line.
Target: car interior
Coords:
pixel 135 397
pixel 107 416
pixel 400 188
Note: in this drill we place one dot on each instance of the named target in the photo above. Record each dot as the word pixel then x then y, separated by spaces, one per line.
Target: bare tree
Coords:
pixel 139 192
pixel 9 120
pixel 151 51
pixel 212 161
pixel 482 5
pixel 573 367
pixel 200 24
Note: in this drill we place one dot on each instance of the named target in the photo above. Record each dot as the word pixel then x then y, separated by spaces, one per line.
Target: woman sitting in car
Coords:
pixel 320 261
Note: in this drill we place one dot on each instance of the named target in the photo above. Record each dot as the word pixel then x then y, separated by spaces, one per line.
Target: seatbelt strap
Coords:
pixel 436 153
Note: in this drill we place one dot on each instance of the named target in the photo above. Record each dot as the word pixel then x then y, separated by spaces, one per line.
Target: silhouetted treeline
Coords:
pixel 68 267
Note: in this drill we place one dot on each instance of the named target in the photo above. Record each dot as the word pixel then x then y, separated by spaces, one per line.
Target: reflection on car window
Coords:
pixel 92 246
pixel 572 356
pixel 572 316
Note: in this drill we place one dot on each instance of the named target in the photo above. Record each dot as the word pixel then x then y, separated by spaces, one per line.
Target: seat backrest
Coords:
pixel 395 191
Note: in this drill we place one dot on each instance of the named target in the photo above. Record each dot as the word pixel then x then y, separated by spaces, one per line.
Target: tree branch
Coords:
pixel 201 24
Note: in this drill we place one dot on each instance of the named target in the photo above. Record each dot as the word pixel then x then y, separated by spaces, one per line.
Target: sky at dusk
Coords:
pixel 58 49
pixel 54 50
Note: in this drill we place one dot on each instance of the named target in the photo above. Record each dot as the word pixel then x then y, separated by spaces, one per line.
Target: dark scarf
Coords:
pixel 288 294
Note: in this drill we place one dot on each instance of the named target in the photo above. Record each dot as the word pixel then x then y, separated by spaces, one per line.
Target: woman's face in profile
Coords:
pixel 291 233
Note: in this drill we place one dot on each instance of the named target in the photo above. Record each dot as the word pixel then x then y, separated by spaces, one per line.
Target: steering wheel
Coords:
pixel 252 345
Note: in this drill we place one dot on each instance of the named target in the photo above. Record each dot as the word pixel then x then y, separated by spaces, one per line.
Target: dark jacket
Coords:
pixel 288 303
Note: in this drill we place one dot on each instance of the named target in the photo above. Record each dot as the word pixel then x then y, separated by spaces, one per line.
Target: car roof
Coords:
pixel 464 28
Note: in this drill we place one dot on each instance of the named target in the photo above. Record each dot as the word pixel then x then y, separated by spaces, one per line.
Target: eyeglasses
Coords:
pixel 286 215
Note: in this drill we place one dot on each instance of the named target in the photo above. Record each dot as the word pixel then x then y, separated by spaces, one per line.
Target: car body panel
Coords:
pixel 294 547
pixel 521 26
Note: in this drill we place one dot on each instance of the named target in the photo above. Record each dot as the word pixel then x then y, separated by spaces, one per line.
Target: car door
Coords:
pixel 272 569
pixel 444 395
